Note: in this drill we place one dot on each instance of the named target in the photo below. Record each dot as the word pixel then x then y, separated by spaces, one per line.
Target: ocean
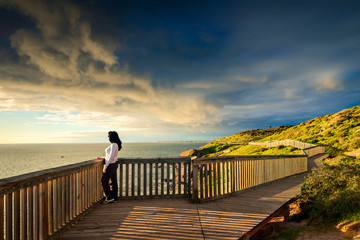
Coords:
pixel 18 159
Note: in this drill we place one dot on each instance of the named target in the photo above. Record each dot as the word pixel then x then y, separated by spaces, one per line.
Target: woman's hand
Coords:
pixel 104 169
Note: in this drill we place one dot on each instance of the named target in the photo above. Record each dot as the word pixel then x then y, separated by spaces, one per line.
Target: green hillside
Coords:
pixel 231 143
pixel 339 132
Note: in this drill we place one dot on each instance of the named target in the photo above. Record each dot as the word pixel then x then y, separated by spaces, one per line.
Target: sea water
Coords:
pixel 17 159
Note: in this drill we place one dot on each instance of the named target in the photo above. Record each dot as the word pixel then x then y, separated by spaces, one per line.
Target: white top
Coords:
pixel 111 153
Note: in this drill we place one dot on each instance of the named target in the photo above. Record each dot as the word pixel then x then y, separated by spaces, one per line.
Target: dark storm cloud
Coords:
pixel 232 64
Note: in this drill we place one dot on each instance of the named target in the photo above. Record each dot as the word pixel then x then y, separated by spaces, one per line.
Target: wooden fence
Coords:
pixel 217 177
pixel 287 142
pixel 308 148
pixel 36 205
pixel 156 177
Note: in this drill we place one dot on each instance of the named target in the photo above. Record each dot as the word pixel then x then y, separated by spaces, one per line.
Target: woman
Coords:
pixel 110 167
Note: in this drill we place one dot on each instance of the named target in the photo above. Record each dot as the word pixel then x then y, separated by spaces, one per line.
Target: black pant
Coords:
pixel 110 174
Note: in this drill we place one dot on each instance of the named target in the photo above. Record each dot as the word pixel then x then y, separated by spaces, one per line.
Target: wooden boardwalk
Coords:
pixel 228 218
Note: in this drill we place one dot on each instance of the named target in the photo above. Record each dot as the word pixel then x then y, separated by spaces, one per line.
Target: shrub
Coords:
pixel 333 191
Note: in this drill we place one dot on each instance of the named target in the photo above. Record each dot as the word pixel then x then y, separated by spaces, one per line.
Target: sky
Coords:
pixel 70 71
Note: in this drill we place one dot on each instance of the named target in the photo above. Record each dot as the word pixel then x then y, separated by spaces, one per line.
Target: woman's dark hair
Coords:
pixel 114 138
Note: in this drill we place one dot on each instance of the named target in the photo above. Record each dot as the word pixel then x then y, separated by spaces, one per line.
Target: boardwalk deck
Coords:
pixel 228 218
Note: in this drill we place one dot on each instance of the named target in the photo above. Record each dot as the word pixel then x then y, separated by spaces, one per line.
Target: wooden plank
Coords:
pixel 211 180
pixel 127 180
pixel 86 190
pixel 36 212
pixel 151 179
pixel 215 177
pixel 16 215
pixel 91 187
pixel 195 184
pixel 132 179
pixel 68 199
pixel 179 177
pixel 82 196
pixel 206 181
pixel 190 171
pixel 49 200
pixel 222 183
pixel 218 172
pixel 173 179
pixel 23 213
pixel 72 196
pixel 2 219
pixel 58 199
pixel 8 216
pixel 162 178
pixel 156 179
pixel 78 193
pixel 237 177
pixel 233 176
pixel 41 211
pixel 201 169
pixel 186 183
pixel 121 179
pixel 228 177
pixel 139 179
pixel 30 220
pixel 145 177
pixel 45 207
pixel 168 178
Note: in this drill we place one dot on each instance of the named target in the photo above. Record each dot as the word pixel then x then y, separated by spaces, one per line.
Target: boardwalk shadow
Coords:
pixel 227 218
pixel 140 219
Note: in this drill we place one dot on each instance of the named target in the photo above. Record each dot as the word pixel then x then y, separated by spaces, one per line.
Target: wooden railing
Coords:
pixel 287 142
pixel 36 205
pixel 157 177
pixel 221 176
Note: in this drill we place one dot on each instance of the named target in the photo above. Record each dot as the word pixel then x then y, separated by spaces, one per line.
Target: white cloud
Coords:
pixel 247 79
pixel 64 70
pixel 327 81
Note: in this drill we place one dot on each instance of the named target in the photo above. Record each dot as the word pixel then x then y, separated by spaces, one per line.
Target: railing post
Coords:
pixel 195 184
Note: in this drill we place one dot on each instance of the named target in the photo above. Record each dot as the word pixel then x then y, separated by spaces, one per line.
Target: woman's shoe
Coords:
pixel 107 201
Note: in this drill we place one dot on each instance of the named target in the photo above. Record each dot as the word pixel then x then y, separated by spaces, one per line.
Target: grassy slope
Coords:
pixel 340 132
pixel 236 141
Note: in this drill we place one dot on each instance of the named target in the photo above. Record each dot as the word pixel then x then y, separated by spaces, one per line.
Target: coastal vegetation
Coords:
pixel 339 132
pixel 331 194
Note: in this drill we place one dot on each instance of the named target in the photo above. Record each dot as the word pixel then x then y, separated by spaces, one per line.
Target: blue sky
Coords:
pixel 70 71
